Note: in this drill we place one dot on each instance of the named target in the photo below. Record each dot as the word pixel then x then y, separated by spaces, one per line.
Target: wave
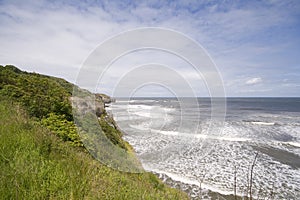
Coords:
pixel 295 144
pixel 143 114
pixel 228 138
pixel 251 109
pixel 142 100
pixel 121 101
pixel 264 123
pixel 190 181
pixel 139 106
pixel 141 127
pixel 153 112
pixel 255 122
pixel 201 136
pixel 170 132
pixel 233 139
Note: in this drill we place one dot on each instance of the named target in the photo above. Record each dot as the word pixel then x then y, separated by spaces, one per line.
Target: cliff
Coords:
pixel 43 157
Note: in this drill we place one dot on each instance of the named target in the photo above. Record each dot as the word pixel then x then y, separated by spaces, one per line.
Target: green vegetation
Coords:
pixel 114 135
pixel 35 164
pixel 39 94
pixel 62 128
pixel 41 156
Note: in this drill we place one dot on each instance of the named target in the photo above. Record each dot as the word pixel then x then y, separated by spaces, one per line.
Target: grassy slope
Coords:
pixel 36 164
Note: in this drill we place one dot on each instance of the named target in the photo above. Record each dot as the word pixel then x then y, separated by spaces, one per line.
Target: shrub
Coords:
pixel 62 128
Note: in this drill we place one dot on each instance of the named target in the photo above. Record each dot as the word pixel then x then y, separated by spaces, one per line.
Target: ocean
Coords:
pixel 175 139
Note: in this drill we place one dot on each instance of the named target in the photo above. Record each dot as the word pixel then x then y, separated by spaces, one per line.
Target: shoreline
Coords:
pixel 192 187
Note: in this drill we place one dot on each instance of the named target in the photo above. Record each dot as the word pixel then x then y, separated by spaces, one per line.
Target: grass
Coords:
pixel 36 164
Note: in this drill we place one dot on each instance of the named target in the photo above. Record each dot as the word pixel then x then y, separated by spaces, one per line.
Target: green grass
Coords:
pixel 36 164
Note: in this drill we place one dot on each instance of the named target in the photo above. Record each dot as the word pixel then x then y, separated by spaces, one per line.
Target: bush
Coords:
pixel 62 128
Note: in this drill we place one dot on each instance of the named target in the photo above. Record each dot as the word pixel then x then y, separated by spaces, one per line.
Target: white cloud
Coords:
pixel 254 81
pixel 55 38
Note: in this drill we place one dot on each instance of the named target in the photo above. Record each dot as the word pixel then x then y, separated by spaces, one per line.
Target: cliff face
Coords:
pixel 88 104
pixel 105 98
pixel 85 106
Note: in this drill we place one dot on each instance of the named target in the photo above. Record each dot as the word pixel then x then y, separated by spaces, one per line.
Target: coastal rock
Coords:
pixel 104 98
pixel 88 104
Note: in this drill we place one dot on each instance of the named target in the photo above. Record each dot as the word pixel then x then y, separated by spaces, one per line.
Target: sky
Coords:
pixel 255 45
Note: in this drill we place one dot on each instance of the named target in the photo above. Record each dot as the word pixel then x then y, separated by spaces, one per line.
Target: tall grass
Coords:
pixel 35 164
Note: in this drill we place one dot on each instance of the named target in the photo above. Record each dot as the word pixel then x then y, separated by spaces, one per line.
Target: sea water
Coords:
pixel 174 139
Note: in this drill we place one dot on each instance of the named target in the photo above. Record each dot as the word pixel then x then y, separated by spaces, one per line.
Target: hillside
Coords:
pixel 41 154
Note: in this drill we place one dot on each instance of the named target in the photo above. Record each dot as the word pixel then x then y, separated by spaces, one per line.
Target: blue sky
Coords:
pixel 255 44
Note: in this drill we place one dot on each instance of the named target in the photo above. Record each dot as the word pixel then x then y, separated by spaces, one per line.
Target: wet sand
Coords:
pixel 280 155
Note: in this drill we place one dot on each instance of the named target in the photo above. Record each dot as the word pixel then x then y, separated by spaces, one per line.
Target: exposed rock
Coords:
pixel 88 104
pixel 105 98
